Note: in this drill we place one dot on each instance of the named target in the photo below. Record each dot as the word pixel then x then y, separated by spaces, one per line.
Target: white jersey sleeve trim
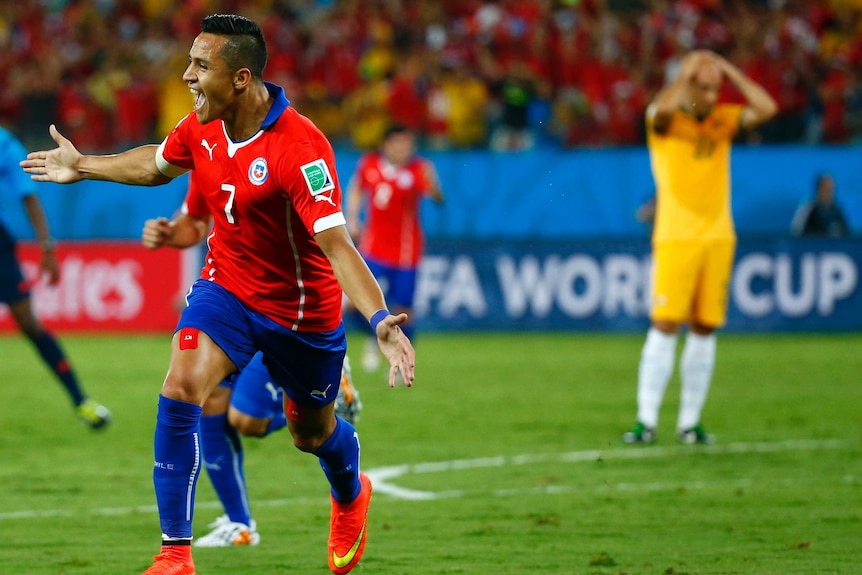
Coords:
pixel 328 222
pixel 164 166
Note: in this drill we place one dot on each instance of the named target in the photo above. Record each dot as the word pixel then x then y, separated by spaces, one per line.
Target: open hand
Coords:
pixel 59 165
pixel 397 349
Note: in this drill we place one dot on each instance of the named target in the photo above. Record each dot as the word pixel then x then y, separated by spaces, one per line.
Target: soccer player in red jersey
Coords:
pixel 243 404
pixel 388 187
pixel 279 257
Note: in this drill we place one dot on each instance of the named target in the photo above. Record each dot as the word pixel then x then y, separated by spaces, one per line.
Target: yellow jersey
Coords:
pixel 691 167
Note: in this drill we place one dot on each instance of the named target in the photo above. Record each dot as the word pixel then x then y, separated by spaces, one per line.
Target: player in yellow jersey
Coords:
pixel 689 136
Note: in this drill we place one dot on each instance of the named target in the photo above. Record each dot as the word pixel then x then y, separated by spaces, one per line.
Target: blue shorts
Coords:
pixel 254 392
pixel 306 365
pixel 13 287
pixel 398 284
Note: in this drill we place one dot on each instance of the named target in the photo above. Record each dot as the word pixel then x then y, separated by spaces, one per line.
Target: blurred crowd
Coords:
pixel 465 74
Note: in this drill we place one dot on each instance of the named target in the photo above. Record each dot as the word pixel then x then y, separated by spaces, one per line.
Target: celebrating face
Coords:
pixel 209 79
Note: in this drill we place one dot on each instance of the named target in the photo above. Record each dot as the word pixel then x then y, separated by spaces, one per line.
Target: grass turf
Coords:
pixel 530 475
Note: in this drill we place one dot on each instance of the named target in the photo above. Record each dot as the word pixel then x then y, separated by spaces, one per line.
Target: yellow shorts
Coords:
pixel 690 281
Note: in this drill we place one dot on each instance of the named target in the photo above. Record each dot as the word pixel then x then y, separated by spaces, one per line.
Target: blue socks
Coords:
pixel 339 458
pixel 177 465
pixel 223 457
pixel 54 357
pixel 278 421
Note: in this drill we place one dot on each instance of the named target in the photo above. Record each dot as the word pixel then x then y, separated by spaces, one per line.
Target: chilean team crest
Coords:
pixel 258 171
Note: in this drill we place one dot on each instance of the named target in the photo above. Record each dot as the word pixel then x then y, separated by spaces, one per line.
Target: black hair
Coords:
pixel 395 129
pixel 245 47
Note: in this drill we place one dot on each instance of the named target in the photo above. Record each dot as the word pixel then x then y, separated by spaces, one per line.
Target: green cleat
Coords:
pixel 93 414
pixel 640 433
pixel 695 435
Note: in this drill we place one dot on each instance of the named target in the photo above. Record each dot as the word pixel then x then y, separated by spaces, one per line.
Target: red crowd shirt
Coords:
pixel 268 195
pixel 392 234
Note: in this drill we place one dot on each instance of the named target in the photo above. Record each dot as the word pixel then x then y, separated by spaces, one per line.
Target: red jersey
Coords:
pixel 393 233
pixel 268 195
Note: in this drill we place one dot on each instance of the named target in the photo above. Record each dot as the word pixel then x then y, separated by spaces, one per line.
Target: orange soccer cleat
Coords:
pixel 172 560
pixel 348 530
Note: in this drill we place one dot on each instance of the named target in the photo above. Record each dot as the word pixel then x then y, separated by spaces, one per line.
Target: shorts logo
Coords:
pixel 258 172
pixel 188 338
pixel 318 179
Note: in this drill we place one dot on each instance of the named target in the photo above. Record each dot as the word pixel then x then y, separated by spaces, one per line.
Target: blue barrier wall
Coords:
pixel 544 194
pixel 777 285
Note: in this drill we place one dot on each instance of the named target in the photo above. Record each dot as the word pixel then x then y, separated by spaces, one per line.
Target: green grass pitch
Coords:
pixel 504 458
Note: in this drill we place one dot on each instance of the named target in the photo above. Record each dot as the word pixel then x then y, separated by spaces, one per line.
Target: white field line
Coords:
pixel 382 477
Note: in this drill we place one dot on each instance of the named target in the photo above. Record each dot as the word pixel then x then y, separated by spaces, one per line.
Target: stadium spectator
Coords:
pixel 406 102
pixel 804 53
pixel 516 92
pixel 689 137
pixel 15 288
pixel 268 176
pixel 821 216
pixel 457 107
pixel 383 203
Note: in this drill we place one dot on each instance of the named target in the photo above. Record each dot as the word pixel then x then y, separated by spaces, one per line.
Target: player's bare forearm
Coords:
pixel 761 106
pixel 188 231
pixel 136 166
pixel 667 100
pixel 37 218
pixel 351 271
pixel 360 286
pixel 182 232
pixel 671 96
pixel 65 165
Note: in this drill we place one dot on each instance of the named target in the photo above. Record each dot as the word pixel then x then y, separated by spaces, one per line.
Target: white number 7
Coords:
pixel 229 205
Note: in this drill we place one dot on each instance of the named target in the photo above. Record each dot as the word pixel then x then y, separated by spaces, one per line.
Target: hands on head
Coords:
pixel 697 59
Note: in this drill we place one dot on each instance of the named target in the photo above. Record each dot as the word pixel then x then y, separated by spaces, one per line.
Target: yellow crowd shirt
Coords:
pixel 691 167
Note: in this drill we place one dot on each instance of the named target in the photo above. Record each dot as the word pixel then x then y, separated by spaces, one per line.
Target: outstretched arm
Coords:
pixel 65 165
pixel 360 286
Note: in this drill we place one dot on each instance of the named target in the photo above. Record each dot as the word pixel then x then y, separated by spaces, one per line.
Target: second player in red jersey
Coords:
pixel 387 188
pixel 392 183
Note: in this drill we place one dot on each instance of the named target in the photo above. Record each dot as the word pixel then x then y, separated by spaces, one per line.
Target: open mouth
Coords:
pixel 199 98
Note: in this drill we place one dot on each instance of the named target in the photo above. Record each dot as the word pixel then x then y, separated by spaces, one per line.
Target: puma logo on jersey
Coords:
pixel 272 390
pixel 318 393
pixel 324 198
pixel 209 148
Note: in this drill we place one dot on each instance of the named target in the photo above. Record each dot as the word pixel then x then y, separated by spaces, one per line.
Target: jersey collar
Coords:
pixel 278 107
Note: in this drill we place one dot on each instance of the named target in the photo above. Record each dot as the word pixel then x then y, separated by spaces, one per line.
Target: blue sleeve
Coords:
pixel 14 181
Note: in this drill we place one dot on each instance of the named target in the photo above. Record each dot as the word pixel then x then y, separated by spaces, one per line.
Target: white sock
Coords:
pixel 654 373
pixel 696 367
